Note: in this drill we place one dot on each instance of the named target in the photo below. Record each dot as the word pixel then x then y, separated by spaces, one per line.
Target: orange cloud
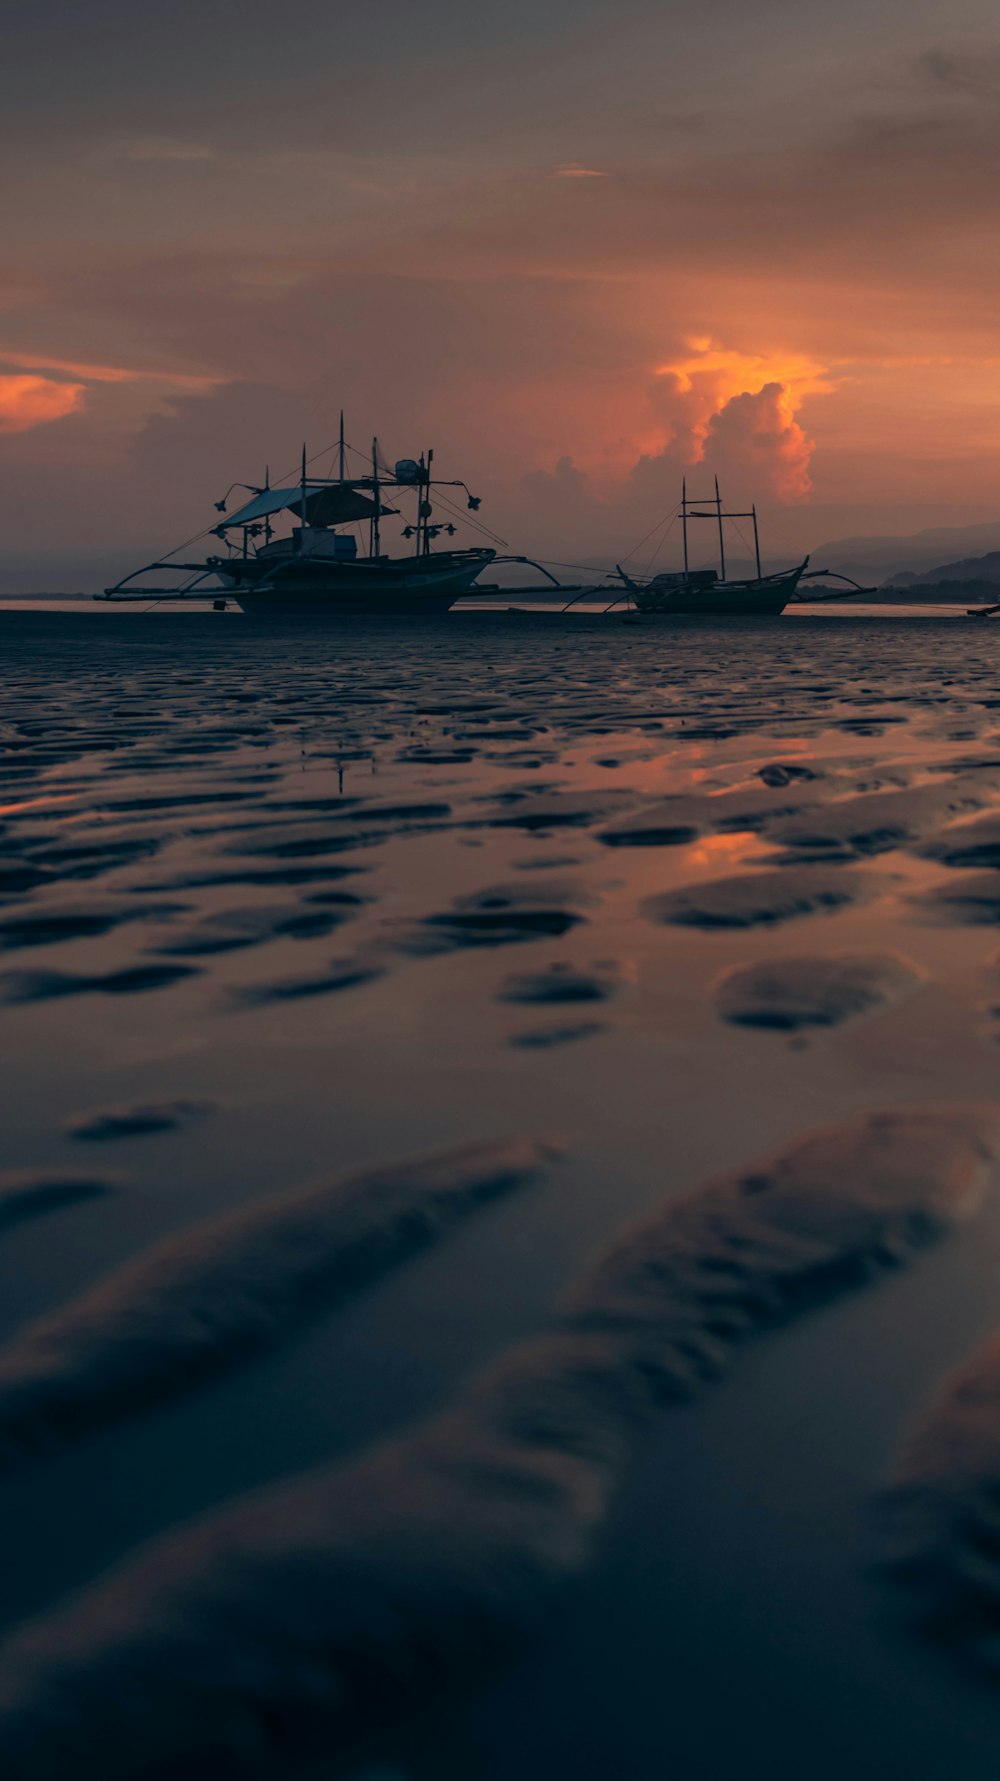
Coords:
pixel 757 435
pixel 27 402
pixel 573 170
pixel 733 372
pixel 742 406
pixel 184 380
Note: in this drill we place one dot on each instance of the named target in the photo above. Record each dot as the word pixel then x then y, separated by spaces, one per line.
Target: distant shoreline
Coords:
pixel 926 594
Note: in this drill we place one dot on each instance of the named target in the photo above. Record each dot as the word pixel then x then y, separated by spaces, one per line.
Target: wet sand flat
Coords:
pixel 620 910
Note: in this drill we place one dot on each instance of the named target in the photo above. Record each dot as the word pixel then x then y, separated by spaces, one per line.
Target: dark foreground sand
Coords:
pixel 674 950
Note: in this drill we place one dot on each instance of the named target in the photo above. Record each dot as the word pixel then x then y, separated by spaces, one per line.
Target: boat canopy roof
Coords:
pixel 327 504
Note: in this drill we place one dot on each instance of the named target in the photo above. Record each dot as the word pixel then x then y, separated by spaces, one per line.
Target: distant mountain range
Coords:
pixel 953 553
pixel 969 571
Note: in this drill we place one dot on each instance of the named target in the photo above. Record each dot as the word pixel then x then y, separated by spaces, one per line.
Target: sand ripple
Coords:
pixel 943 1513
pixel 28 1193
pixel 199 1301
pixel 758 899
pixel 301 1619
pixel 812 992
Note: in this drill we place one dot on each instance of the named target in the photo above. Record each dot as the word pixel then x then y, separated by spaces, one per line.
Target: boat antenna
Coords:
pixel 684 519
pixel 722 541
pixel 375 540
pixel 756 539
pixel 342 445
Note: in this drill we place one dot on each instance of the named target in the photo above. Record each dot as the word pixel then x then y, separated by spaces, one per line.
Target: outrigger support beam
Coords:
pixel 123 591
pixel 564 588
pixel 531 565
pixel 851 593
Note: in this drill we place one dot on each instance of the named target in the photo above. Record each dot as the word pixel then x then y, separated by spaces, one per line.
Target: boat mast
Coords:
pixel 420 504
pixel 427 504
pixel 375 546
pixel 722 541
pixel 342 445
pixel 684 520
pixel 756 540
pixel 302 533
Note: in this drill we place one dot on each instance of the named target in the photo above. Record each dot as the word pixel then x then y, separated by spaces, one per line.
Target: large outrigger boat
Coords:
pixel 708 593
pixel 317 568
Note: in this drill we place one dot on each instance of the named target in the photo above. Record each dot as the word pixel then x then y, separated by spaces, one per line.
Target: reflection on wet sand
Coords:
pixel 273 916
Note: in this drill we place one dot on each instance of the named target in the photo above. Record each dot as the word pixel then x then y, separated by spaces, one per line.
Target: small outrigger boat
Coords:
pixel 317 569
pixel 706 593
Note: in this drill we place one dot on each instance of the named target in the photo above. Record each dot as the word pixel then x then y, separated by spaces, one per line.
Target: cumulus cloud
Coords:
pixel 736 412
pixel 758 436
pixel 733 412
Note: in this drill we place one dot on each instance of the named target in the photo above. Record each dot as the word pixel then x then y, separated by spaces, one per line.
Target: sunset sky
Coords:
pixel 577 247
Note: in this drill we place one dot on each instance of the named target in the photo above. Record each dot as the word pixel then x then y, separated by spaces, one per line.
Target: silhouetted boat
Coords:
pixel 707 593
pixel 317 567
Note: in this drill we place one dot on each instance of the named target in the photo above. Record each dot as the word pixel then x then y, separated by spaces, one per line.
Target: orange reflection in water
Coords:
pixel 727 850
pixel 36 803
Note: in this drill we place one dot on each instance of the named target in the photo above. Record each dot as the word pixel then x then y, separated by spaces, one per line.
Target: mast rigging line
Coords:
pixel 668 518
pixel 210 531
pixel 741 535
pixel 476 524
pixel 581 568
pixel 454 511
pixel 657 548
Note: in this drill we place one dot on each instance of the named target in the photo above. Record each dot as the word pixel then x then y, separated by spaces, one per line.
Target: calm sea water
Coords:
pixel 326 899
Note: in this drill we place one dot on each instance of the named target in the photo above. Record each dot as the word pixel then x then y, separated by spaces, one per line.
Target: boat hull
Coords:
pixel 407 586
pixel 763 598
